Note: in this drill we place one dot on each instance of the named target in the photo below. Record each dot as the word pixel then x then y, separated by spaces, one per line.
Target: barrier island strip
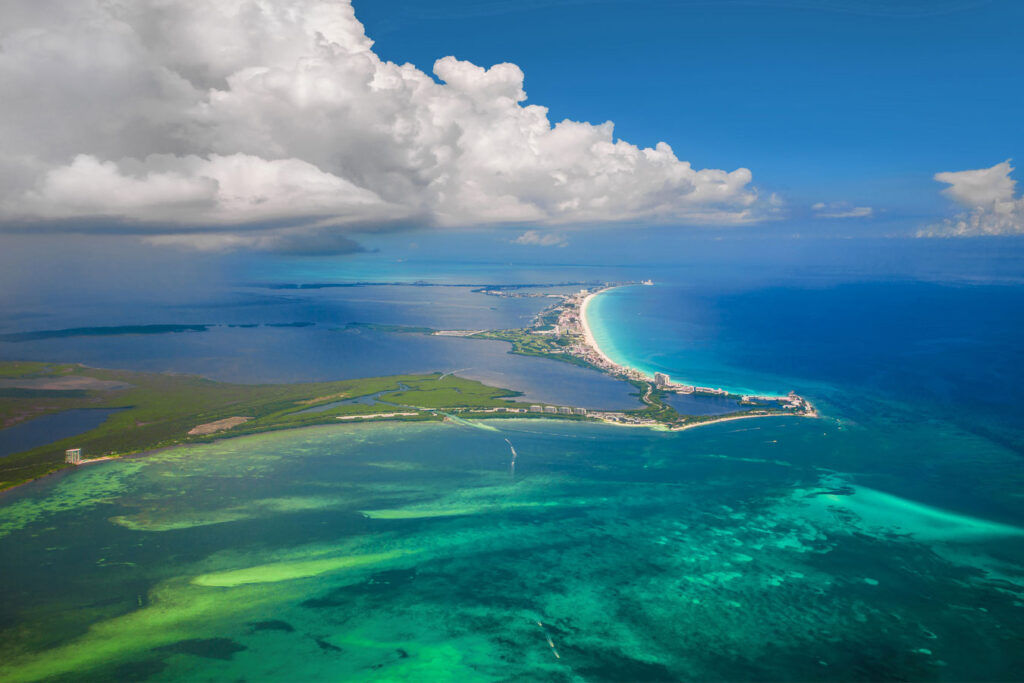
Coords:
pixel 161 410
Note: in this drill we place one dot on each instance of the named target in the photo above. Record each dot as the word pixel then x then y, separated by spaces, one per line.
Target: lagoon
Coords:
pixel 49 428
pixel 234 351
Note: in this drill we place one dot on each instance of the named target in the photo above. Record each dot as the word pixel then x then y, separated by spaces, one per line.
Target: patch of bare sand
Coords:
pixel 217 426
pixel 323 399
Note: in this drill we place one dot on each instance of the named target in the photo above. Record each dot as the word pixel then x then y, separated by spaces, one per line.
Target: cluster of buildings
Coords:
pixel 570 324
pixel 550 410
pixel 707 391
pixel 795 402
pixel 790 402
pixel 542 409
pixel 623 418
pixel 558 410
pixel 515 293
pixel 663 381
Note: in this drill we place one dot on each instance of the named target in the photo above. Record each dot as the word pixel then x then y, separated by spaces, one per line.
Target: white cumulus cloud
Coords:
pixel 988 195
pixel 536 238
pixel 232 115
pixel 841 210
pixel 194 189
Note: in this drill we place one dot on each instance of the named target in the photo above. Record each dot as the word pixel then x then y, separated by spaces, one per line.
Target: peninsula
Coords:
pixel 561 332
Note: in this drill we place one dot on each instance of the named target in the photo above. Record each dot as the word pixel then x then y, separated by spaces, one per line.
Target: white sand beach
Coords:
pixel 591 342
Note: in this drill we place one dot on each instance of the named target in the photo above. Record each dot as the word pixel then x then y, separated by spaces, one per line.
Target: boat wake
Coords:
pixel 512 465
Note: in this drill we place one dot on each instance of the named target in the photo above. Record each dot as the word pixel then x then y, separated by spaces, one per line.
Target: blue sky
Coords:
pixel 825 105
pixel 311 127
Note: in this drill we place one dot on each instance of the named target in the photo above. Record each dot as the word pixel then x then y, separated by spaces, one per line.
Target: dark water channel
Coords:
pixel 50 428
pixel 368 400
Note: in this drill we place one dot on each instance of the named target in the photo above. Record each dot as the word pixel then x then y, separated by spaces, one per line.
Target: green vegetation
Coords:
pixel 655 407
pixel 548 318
pixel 526 343
pixel 21 368
pixel 161 409
pixel 447 394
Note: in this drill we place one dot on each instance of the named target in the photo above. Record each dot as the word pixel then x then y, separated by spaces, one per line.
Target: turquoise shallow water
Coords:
pixel 768 549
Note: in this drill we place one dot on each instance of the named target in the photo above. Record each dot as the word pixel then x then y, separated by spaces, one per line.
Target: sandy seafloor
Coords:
pixel 412 553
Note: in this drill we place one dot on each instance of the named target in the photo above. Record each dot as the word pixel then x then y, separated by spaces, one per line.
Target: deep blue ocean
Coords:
pixel 951 351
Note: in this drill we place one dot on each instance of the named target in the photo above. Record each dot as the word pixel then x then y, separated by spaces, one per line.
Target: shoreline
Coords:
pixel 728 418
pixel 604 362
pixel 593 353
pixel 591 341
pixel 66 471
pixel 630 372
